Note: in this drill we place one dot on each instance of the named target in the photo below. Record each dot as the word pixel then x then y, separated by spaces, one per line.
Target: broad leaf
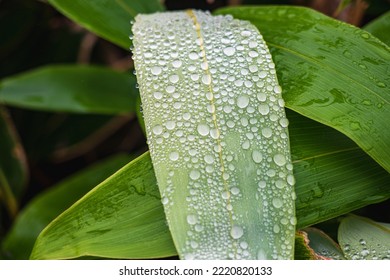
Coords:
pixel 107 18
pixel 120 218
pixel 380 27
pixel 217 135
pixel 46 206
pixel 363 239
pixel 331 72
pixel 81 89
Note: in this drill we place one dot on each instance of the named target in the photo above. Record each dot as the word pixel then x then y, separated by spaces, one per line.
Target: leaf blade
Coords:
pixel 380 28
pixel 75 89
pixel 130 222
pixel 108 19
pixel 243 175
pixel 363 239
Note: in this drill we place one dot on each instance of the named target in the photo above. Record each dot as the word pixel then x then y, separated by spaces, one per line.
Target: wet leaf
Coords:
pixel 45 207
pixel 380 27
pixel 322 245
pixel 218 139
pixel 71 88
pixel 107 18
pixel 331 72
pixel 364 239
pixel 121 218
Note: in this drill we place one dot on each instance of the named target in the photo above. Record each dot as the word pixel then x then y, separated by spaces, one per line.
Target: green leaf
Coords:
pixel 322 245
pixel 217 133
pixel 380 27
pixel 81 89
pixel 13 163
pixel 331 72
pixel 120 218
pixel 333 175
pixel 363 239
pixel 46 206
pixel 107 18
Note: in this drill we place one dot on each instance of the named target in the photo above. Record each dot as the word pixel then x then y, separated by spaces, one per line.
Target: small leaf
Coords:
pixel 107 18
pixel 217 135
pixel 121 218
pixel 380 27
pixel 330 71
pixel 76 89
pixel 45 207
pixel 322 245
pixel 363 239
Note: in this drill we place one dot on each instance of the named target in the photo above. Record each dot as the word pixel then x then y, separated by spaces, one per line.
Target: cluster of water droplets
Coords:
pixel 366 251
pixel 217 134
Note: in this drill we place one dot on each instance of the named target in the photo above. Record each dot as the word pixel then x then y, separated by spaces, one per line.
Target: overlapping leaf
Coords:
pixel 71 88
pixel 107 18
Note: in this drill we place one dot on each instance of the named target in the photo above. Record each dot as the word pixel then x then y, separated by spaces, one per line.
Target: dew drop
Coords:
pixel 257 156
pixel 176 63
pixel 253 54
pixel 229 51
pixel 291 180
pixel 277 89
pixel 209 159
pixel 242 101
pixel 156 70
pixel 262 74
pixel 226 195
pixel 214 133
pixel 203 129
pixel 170 125
pixel 170 89
pixel 236 232
pixel 206 79
pixel 280 159
pixel 174 156
pixel 266 132
pixel 194 244
pixel 276 228
pixel 165 200
pixel 262 184
pixel 277 202
pixel 261 96
pixel 263 109
pixel 158 129
pixel 194 174
pixel 158 95
pixel 235 190
pixel 283 122
pixel 192 219
pixel 193 56
pixel 174 79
